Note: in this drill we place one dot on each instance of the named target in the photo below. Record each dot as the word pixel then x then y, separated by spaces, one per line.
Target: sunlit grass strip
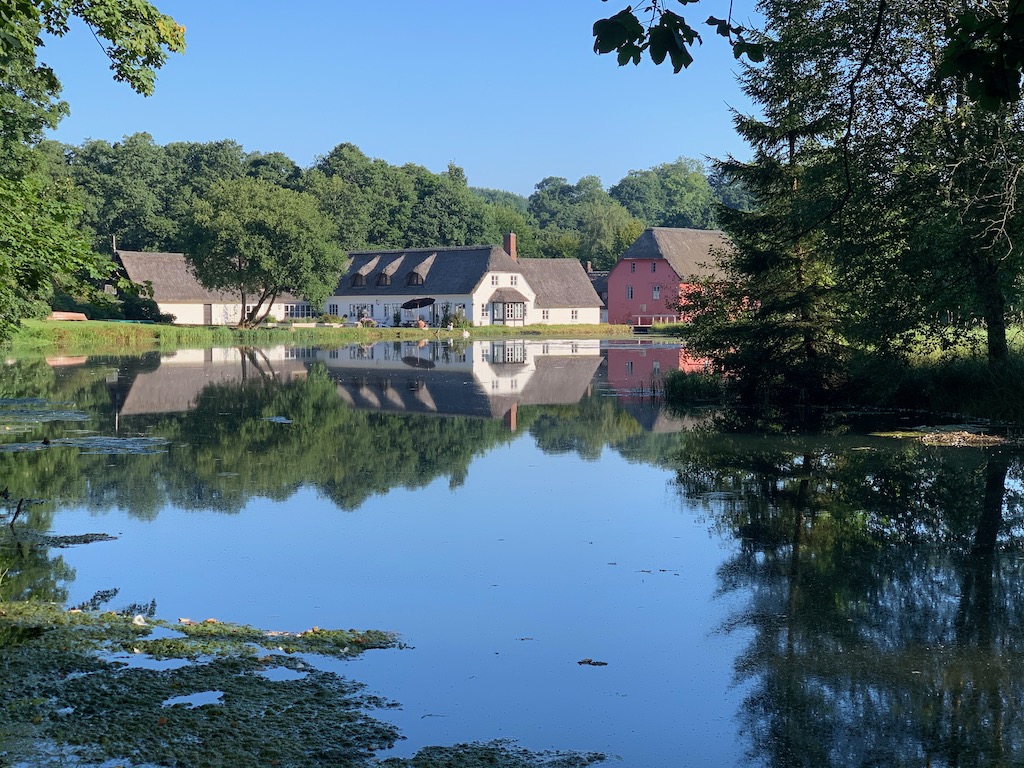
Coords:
pixel 98 337
pixel 45 337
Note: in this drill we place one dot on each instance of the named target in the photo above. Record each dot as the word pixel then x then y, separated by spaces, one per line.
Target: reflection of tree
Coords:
pixel 884 601
pixel 585 428
pixel 238 445
pixel 263 437
pixel 27 570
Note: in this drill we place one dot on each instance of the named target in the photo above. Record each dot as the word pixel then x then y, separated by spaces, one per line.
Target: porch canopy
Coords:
pixel 507 296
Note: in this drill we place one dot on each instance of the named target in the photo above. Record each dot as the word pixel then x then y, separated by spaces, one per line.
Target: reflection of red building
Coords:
pixel 641 365
pixel 644 286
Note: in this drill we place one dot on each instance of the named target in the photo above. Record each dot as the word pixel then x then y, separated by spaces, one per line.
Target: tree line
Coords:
pixel 259 224
pixel 145 195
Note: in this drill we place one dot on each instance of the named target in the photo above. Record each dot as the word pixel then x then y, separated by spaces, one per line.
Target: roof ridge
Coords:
pixel 435 249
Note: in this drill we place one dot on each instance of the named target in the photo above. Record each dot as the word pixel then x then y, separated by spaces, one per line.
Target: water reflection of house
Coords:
pixel 488 379
pixel 635 370
pixel 639 365
pixel 174 386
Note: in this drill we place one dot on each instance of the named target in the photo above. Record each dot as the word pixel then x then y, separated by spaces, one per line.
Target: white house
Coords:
pixel 485 284
pixel 177 292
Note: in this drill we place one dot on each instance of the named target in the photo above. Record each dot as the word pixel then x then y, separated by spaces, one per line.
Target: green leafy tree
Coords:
pixel 125 188
pixel 500 219
pixel 260 240
pixel 557 203
pixel 344 203
pixel 730 193
pixel 275 167
pixel 606 230
pixel 501 197
pixel 942 225
pixel 445 211
pixel 39 242
pixel 557 243
pixel 138 37
pixel 383 195
pixel 982 46
pixel 673 194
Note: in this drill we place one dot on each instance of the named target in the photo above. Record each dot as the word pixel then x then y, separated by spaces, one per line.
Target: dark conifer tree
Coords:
pixel 772 318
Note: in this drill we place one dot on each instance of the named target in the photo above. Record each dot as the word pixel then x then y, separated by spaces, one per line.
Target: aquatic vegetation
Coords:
pixel 75 691
pixel 494 754
pixel 96 444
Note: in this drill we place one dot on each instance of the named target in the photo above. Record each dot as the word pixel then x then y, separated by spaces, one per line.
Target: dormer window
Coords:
pixel 358 280
pixel 415 278
pixel 383 279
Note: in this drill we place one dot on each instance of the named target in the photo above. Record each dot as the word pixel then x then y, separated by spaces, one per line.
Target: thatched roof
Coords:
pixel 459 270
pixel 560 283
pixel 688 251
pixel 173 281
pixel 506 296
pixel 444 271
pixel 171 277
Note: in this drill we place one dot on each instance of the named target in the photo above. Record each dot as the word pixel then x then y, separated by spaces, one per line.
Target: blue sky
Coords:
pixel 512 91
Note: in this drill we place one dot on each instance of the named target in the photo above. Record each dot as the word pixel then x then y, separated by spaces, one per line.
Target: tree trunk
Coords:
pixel 993 302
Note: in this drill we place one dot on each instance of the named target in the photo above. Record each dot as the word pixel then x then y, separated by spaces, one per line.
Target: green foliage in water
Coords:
pixel 682 388
pixel 496 754
pixel 88 686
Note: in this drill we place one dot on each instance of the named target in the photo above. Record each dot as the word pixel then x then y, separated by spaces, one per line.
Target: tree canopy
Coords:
pixel 41 241
pixel 982 45
pixel 261 240
pixel 138 37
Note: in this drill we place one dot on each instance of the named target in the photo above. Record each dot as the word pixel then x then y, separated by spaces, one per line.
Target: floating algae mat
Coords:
pixel 76 692
pixel 71 695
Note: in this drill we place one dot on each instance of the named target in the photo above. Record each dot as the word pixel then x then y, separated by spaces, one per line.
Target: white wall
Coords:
pixel 222 314
pixel 563 316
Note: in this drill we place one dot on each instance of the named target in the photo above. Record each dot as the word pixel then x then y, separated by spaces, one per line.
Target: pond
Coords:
pixel 564 563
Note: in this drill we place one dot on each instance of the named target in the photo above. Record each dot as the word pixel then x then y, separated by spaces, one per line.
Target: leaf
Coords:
pixel 722 27
pixel 629 52
pixel 612 33
pixel 661 39
pixel 680 57
pixel 753 51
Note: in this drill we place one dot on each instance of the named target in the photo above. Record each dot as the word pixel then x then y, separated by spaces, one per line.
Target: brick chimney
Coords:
pixel 510 245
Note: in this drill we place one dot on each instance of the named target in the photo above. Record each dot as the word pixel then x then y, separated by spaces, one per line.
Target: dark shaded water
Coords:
pixel 514 508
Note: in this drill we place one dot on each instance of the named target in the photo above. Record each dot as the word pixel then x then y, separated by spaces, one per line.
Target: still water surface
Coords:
pixel 513 508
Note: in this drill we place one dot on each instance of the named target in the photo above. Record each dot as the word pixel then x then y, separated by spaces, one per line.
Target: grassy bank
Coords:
pixel 955 380
pixel 98 337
